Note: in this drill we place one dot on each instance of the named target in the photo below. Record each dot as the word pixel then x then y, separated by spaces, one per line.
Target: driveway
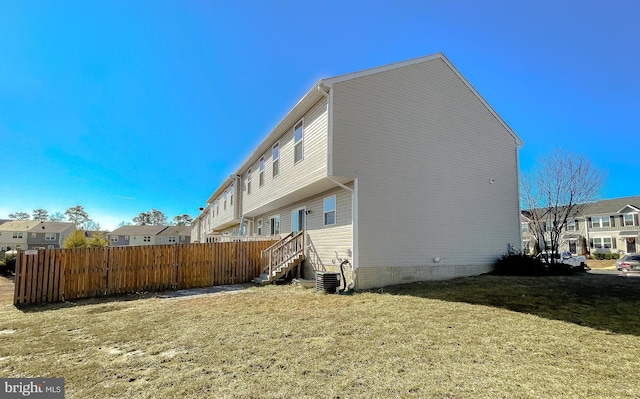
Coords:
pixel 614 272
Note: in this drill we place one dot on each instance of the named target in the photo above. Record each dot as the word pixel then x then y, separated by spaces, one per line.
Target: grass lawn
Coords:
pixel 486 336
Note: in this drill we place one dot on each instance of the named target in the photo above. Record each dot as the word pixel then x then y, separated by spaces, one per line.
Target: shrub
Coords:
pixel 519 265
pixel 8 265
pixel 604 256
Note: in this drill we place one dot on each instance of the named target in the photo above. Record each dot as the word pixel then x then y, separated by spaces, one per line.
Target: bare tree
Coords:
pixel 19 216
pixel 57 217
pixel 557 191
pixel 152 218
pixel 40 214
pixel 182 220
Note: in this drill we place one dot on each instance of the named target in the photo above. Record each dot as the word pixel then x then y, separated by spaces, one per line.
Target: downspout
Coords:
pixel 354 218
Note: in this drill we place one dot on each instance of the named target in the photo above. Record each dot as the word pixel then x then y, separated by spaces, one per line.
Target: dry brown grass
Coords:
pixel 456 339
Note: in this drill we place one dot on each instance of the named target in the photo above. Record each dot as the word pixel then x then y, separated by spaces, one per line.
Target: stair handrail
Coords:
pixel 283 251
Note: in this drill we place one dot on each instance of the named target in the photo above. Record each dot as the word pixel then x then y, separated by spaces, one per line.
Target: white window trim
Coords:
pixel 259 227
pixel 271 218
pixel 624 219
pixel 602 244
pixel 261 172
pixel 300 142
pixel 601 220
pixel 325 212
pixel 304 225
pixel 275 160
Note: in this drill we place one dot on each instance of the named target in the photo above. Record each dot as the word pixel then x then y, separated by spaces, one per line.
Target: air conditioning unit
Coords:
pixel 328 282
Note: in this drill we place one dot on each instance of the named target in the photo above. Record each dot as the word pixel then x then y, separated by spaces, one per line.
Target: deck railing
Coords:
pixel 288 248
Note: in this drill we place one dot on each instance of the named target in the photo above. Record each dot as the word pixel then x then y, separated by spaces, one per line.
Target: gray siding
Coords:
pixel 437 172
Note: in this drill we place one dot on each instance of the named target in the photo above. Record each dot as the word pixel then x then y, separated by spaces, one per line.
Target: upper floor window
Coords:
pixel 524 226
pixel 298 136
pixel 249 181
pixel 628 219
pixel 114 238
pixel 172 239
pixel 17 234
pixel 231 196
pixel 50 236
pixel 261 174
pixel 329 209
pixel 276 159
pixel 571 225
pixel 224 201
pixel 147 239
pixel 600 221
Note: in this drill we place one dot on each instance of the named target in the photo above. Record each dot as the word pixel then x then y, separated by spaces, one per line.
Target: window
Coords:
pixel 600 221
pixel 249 181
pixel 329 209
pixel 259 229
pixel 524 226
pixel 50 236
pixel 231 196
pixel 276 159
pixel 114 238
pixel 628 219
pixel 297 141
pixel 147 239
pixel 571 225
pixel 261 174
pixel 33 235
pixel 17 234
pixel 172 239
pixel 602 242
pixel 275 225
pixel 297 220
pixel 224 201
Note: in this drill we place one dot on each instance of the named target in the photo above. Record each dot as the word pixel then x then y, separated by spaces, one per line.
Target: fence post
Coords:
pixel 174 277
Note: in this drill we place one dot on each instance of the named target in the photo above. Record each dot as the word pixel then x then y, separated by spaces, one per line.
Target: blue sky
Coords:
pixel 124 106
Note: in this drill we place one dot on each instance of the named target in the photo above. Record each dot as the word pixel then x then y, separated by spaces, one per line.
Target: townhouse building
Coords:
pixel 174 235
pixel 606 226
pixel 48 235
pixel 136 235
pixel 404 171
pixel 14 233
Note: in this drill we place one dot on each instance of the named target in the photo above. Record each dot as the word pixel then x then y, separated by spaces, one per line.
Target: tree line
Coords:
pixel 80 218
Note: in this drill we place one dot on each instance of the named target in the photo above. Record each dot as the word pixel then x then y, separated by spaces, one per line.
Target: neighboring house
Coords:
pixel 174 235
pixel 48 235
pixel 403 170
pixel 3 221
pixel 135 235
pixel 13 234
pixel 607 226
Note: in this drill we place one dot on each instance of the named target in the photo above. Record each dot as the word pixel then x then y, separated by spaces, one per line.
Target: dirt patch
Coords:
pixel 601 264
pixel 6 289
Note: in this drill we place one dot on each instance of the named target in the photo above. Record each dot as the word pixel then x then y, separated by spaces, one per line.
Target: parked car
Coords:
pixel 565 257
pixel 629 262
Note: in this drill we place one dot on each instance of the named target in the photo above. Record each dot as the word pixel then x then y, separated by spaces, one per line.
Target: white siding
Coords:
pixel 219 215
pixel 437 173
pixel 327 246
pixel 292 177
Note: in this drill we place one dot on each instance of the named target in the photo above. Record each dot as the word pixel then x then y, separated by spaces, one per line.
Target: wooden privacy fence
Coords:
pixel 53 275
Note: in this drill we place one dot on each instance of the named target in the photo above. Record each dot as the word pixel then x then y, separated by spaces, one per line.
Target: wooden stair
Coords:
pixel 281 257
